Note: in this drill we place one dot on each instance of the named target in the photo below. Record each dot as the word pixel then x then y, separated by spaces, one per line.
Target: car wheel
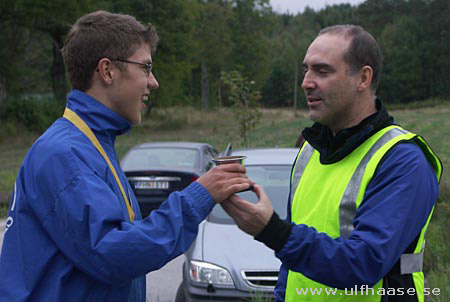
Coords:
pixel 180 297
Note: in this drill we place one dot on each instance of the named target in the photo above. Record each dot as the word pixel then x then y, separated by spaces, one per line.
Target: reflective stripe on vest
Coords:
pixel 347 206
pixel 302 161
pixel 83 127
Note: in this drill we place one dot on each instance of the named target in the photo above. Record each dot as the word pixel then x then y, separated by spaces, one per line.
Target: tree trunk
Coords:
pixel 295 86
pixel 2 89
pixel 57 72
pixel 219 93
pixel 205 85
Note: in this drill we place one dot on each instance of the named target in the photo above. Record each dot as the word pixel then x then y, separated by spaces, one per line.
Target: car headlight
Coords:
pixel 209 273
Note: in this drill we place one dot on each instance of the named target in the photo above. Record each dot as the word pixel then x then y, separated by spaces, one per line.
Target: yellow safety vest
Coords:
pixel 327 197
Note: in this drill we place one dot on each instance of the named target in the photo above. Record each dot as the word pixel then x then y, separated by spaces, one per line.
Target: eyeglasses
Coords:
pixel 147 66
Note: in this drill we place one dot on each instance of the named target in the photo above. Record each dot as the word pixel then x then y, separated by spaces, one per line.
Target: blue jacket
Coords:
pixel 387 210
pixel 68 235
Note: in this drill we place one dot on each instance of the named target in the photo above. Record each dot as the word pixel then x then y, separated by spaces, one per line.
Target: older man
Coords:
pixel 362 191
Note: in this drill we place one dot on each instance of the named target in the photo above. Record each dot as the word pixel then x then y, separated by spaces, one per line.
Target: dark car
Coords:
pixel 155 170
pixel 226 264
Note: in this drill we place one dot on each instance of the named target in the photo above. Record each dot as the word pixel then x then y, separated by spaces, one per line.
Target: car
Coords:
pixel 226 264
pixel 154 170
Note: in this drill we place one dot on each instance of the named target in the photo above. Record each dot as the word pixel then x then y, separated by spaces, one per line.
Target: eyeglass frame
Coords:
pixel 147 66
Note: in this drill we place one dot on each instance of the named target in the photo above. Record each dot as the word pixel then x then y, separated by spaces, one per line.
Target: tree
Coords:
pixel 435 47
pixel 289 46
pixel 402 79
pixel 173 61
pixel 13 40
pixel 52 17
pixel 213 43
pixel 244 99
pixel 251 24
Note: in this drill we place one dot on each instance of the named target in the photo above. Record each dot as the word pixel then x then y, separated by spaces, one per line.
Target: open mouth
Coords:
pixel 313 99
pixel 145 99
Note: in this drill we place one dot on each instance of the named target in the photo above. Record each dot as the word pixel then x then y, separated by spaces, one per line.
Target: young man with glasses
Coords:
pixel 75 232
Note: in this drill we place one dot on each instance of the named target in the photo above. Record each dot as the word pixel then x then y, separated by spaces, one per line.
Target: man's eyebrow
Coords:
pixel 317 66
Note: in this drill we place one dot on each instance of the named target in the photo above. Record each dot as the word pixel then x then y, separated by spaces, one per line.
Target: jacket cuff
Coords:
pixel 276 233
pixel 202 201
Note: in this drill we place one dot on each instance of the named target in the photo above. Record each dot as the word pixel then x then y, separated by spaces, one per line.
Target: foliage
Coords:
pixel 211 35
pixel 244 99
pixel 4 207
pixel 28 21
pixel 199 39
pixel 398 41
pixel 32 112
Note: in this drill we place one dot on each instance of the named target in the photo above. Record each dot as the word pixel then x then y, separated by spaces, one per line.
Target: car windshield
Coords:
pixel 274 179
pixel 157 158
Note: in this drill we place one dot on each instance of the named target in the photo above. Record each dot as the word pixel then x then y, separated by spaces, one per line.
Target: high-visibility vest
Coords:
pixel 327 197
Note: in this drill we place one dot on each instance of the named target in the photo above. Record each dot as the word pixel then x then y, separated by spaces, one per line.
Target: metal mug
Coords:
pixel 223 160
pixel 239 159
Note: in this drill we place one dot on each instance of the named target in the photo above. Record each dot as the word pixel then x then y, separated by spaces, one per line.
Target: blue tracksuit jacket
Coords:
pixel 68 235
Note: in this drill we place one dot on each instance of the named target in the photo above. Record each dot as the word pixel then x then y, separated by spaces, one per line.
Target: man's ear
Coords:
pixel 105 70
pixel 366 78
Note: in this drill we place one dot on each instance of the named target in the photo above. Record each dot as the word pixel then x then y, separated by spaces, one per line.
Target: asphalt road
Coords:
pixel 162 284
pixel 2 231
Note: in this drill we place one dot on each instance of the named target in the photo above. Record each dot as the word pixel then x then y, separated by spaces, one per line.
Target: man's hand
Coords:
pixel 251 218
pixel 224 180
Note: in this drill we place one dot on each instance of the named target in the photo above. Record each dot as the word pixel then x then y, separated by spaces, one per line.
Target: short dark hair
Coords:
pixel 102 35
pixel 363 49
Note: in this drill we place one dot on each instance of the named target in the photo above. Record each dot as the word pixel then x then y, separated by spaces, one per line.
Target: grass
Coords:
pixel 278 127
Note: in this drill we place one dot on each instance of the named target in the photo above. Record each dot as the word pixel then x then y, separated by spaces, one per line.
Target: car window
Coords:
pixel 208 155
pixel 274 179
pixel 156 158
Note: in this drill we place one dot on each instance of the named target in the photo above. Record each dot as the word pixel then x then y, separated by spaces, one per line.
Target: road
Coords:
pixel 162 284
pixel 2 231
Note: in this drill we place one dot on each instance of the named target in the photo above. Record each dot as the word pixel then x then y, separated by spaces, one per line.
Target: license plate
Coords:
pixel 151 185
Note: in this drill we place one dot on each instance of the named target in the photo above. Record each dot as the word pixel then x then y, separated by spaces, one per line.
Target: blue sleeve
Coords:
pixel 280 288
pixel 90 230
pixel 396 206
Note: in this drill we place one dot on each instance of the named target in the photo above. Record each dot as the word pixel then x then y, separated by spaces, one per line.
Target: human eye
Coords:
pixel 304 69
pixel 323 71
pixel 148 68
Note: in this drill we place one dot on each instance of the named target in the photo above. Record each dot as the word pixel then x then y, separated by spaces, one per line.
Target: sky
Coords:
pixel 297 6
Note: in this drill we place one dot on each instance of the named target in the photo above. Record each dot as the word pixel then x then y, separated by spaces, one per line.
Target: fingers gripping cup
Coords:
pixel 223 160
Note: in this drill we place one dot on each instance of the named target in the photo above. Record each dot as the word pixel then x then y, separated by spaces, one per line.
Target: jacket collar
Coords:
pixel 334 148
pixel 105 123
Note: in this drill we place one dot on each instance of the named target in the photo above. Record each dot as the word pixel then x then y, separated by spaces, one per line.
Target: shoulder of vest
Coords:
pixel 394 135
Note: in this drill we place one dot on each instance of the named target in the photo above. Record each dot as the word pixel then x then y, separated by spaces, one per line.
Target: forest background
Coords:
pixel 199 40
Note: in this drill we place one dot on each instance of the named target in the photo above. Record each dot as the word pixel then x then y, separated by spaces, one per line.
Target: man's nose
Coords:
pixel 308 83
pixel 152 82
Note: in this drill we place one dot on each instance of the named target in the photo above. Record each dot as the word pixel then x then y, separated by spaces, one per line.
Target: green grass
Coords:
pixel 3 209
pixel 278 127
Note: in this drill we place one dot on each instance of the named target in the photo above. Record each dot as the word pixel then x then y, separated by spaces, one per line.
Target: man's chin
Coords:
pixel 314 116
pixel 137 121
